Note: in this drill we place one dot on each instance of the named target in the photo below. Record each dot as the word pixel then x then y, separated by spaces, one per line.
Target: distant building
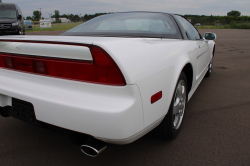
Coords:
pixel 63 19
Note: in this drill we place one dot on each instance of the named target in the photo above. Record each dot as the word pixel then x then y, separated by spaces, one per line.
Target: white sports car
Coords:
pixel 109 80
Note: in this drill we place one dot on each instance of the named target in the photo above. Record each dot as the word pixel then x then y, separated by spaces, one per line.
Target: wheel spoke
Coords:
pixel 179 90
pixel 182 90
pixel 176 120
pixel 176 109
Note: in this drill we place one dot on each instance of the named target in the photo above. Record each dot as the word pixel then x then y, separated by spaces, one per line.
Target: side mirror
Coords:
pixel 19 17
pixel 210 36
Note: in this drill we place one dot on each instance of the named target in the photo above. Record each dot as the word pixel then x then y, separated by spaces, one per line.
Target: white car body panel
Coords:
pixel 115 114
pixel 99 110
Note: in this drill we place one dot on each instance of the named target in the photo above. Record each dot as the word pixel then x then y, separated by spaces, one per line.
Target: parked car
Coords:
pixel 11 19
pixel 112 79
pixel 198 24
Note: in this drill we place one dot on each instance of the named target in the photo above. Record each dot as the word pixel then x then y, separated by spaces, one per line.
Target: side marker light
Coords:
pixel 156 97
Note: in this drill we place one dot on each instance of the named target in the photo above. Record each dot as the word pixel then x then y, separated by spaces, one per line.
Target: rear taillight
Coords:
pixel 8 62
pixel 105 67
pixel 102 69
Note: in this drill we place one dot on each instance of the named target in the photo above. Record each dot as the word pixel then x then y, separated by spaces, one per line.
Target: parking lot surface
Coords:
pixel 216 128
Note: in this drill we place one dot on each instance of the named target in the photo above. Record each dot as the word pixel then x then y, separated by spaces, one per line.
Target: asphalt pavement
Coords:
pixel 216 127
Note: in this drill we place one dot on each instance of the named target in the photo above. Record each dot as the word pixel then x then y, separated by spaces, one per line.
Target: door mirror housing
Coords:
pixel 19 17
pixel 210 36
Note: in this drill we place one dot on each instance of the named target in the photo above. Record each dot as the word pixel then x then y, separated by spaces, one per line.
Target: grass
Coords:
pixel 232 25
pixel 54 27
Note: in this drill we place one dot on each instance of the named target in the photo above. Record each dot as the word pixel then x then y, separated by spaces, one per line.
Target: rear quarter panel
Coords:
pixel 153 65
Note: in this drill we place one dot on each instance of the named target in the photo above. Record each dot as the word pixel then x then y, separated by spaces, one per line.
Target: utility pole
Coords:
pixel 50 17
pixel 40 13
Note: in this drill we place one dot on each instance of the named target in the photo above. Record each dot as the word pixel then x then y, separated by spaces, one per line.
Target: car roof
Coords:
pixel 147 12
pixel 7 5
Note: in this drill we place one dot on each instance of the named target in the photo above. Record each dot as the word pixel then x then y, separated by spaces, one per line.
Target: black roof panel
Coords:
pixel 7 6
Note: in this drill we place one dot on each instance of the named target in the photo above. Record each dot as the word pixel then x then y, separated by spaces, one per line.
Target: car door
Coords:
pixel 202 57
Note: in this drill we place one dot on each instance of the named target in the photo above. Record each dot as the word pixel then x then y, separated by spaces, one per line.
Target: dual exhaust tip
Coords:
pixel 93 147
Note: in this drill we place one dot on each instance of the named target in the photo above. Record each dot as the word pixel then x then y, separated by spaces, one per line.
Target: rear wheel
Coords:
pixel 171 124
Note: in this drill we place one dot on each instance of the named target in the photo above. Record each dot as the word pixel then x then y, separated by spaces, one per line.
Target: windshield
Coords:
pixel 128 24
pixel 7 13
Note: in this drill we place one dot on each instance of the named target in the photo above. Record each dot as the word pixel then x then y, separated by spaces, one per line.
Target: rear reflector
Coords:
pixel 8 62
pixel 40 67
pixel 156 97
pixel 102 70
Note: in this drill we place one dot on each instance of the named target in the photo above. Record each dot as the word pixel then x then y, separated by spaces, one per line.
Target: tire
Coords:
pixel 19 33
pixel 171 124
pixel 209 71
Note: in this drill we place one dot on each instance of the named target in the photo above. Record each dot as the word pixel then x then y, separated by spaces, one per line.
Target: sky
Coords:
pixel 199 7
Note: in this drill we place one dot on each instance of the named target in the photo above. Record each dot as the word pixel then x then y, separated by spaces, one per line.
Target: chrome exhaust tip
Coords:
pixel 93 148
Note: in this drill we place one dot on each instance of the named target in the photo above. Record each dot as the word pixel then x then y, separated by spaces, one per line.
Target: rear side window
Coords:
pixel 133 24
pixel 191 31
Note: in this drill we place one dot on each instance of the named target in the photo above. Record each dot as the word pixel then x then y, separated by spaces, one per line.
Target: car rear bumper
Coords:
pixel 112 113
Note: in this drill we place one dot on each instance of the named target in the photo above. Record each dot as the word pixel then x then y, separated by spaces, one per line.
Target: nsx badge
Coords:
pixel 24 64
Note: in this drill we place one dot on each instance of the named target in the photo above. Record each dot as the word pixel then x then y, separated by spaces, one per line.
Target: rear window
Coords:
pixel 129 24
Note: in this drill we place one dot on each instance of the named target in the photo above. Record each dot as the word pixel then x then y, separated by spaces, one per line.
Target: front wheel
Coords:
pixel 209 71
pixel 171 124
pixel 19 33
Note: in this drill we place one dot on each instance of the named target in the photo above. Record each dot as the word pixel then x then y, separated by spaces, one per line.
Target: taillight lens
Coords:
pixel 105 67
pixel 102 70
pixel 40 67
pixel 8 62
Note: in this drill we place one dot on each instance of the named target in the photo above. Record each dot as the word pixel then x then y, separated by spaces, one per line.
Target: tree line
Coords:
pixel 212 20
pixel 73 18
pixel 232 17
